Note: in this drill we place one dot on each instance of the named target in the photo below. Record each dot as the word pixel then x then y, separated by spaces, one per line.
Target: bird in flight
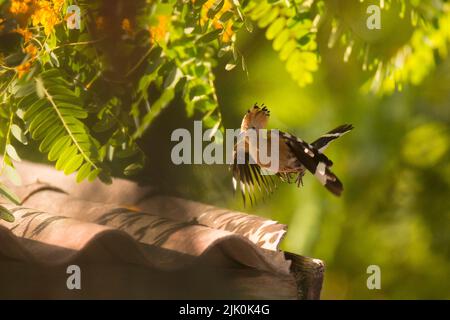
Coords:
pixel 295 157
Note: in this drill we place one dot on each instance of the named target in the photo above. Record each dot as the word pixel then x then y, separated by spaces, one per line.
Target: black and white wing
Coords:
pixel 323 142
pixel 251 181
pixel 315 162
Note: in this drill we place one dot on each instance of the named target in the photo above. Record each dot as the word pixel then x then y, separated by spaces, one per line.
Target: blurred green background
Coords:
pixel 394 165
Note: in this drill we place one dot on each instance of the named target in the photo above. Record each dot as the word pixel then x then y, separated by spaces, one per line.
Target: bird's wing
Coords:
pixel 250 180
pixel 314 161
pixel 323 142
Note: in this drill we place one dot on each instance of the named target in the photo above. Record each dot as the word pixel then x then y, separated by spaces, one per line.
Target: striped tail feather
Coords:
pixel 315 162
pixel 328 179
pixel 322 143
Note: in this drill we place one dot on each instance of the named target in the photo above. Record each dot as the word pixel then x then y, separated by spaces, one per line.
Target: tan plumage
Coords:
pixel 295 157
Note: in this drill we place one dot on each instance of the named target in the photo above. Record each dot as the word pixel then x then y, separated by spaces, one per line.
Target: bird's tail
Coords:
pixel 323 142
pixel 315 162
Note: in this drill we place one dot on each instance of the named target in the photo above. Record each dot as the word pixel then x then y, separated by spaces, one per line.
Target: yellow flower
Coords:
pixel 58 4
pixel 228 32
pixel 31 50
pixel 20 6
pixel 227 26
pixel 23 69
pixel 46 17
pixel 158 32
pixel 25 33
pixel 227 5
pixel 47 13
pixel 126 26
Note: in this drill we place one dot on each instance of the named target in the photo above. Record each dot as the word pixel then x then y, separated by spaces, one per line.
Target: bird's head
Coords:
pixel 255 118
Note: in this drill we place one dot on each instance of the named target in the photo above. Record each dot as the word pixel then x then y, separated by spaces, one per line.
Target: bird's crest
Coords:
pixel 255 118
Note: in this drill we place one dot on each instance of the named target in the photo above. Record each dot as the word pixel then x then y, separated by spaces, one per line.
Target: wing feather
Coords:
pixel 322 143
pixel 315 162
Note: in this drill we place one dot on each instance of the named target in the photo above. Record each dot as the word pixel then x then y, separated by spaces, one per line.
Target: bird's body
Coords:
pixel 295 157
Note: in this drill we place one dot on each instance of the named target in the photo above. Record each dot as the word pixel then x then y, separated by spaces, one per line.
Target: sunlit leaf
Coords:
pixel 8 194
pixel 6 215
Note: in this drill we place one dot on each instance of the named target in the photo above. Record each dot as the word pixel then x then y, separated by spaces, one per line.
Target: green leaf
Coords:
pixel 210 36
pixel 248 25
pixel 20 113
pixel 303 40
pixel 44 127
pixel 269 16
pixel 84 172
pixel 281 39
pixel 133 169
pixel 58 148
pixel 22 90
pixel 8 194
pixel 70 99
pixel 166 97
pixel 11 151
pixel 65 157
pixel 55 133
pixel 52 74
pixel 27 101
pixel 260 10
pixel 63 92
pixel 73 164
pixel 54 59
pixel 35 108
pixel 6 215
pixel 179 87
pixel 215 8
pixel 54 119
pixel 67 109
pixel 287 49
pixel 18 134
pixel 226 16
pixel 230 66
pixel 275 28
pixel 93 175
pixel 39 88
pixel 12 175
pixel 172 78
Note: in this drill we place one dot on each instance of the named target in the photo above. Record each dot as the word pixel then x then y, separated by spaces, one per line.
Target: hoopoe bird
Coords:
pixel 295 157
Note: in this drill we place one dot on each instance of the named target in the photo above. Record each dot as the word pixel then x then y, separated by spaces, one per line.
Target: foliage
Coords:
pixel 86 96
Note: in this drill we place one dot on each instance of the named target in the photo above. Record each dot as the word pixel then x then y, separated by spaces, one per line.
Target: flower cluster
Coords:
pixel 45 13
pixel 31 51
pixel 159 31
pixel 37 13
pixel 126 26
pixel 23 68
pixel 25 33
pixel 21 6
